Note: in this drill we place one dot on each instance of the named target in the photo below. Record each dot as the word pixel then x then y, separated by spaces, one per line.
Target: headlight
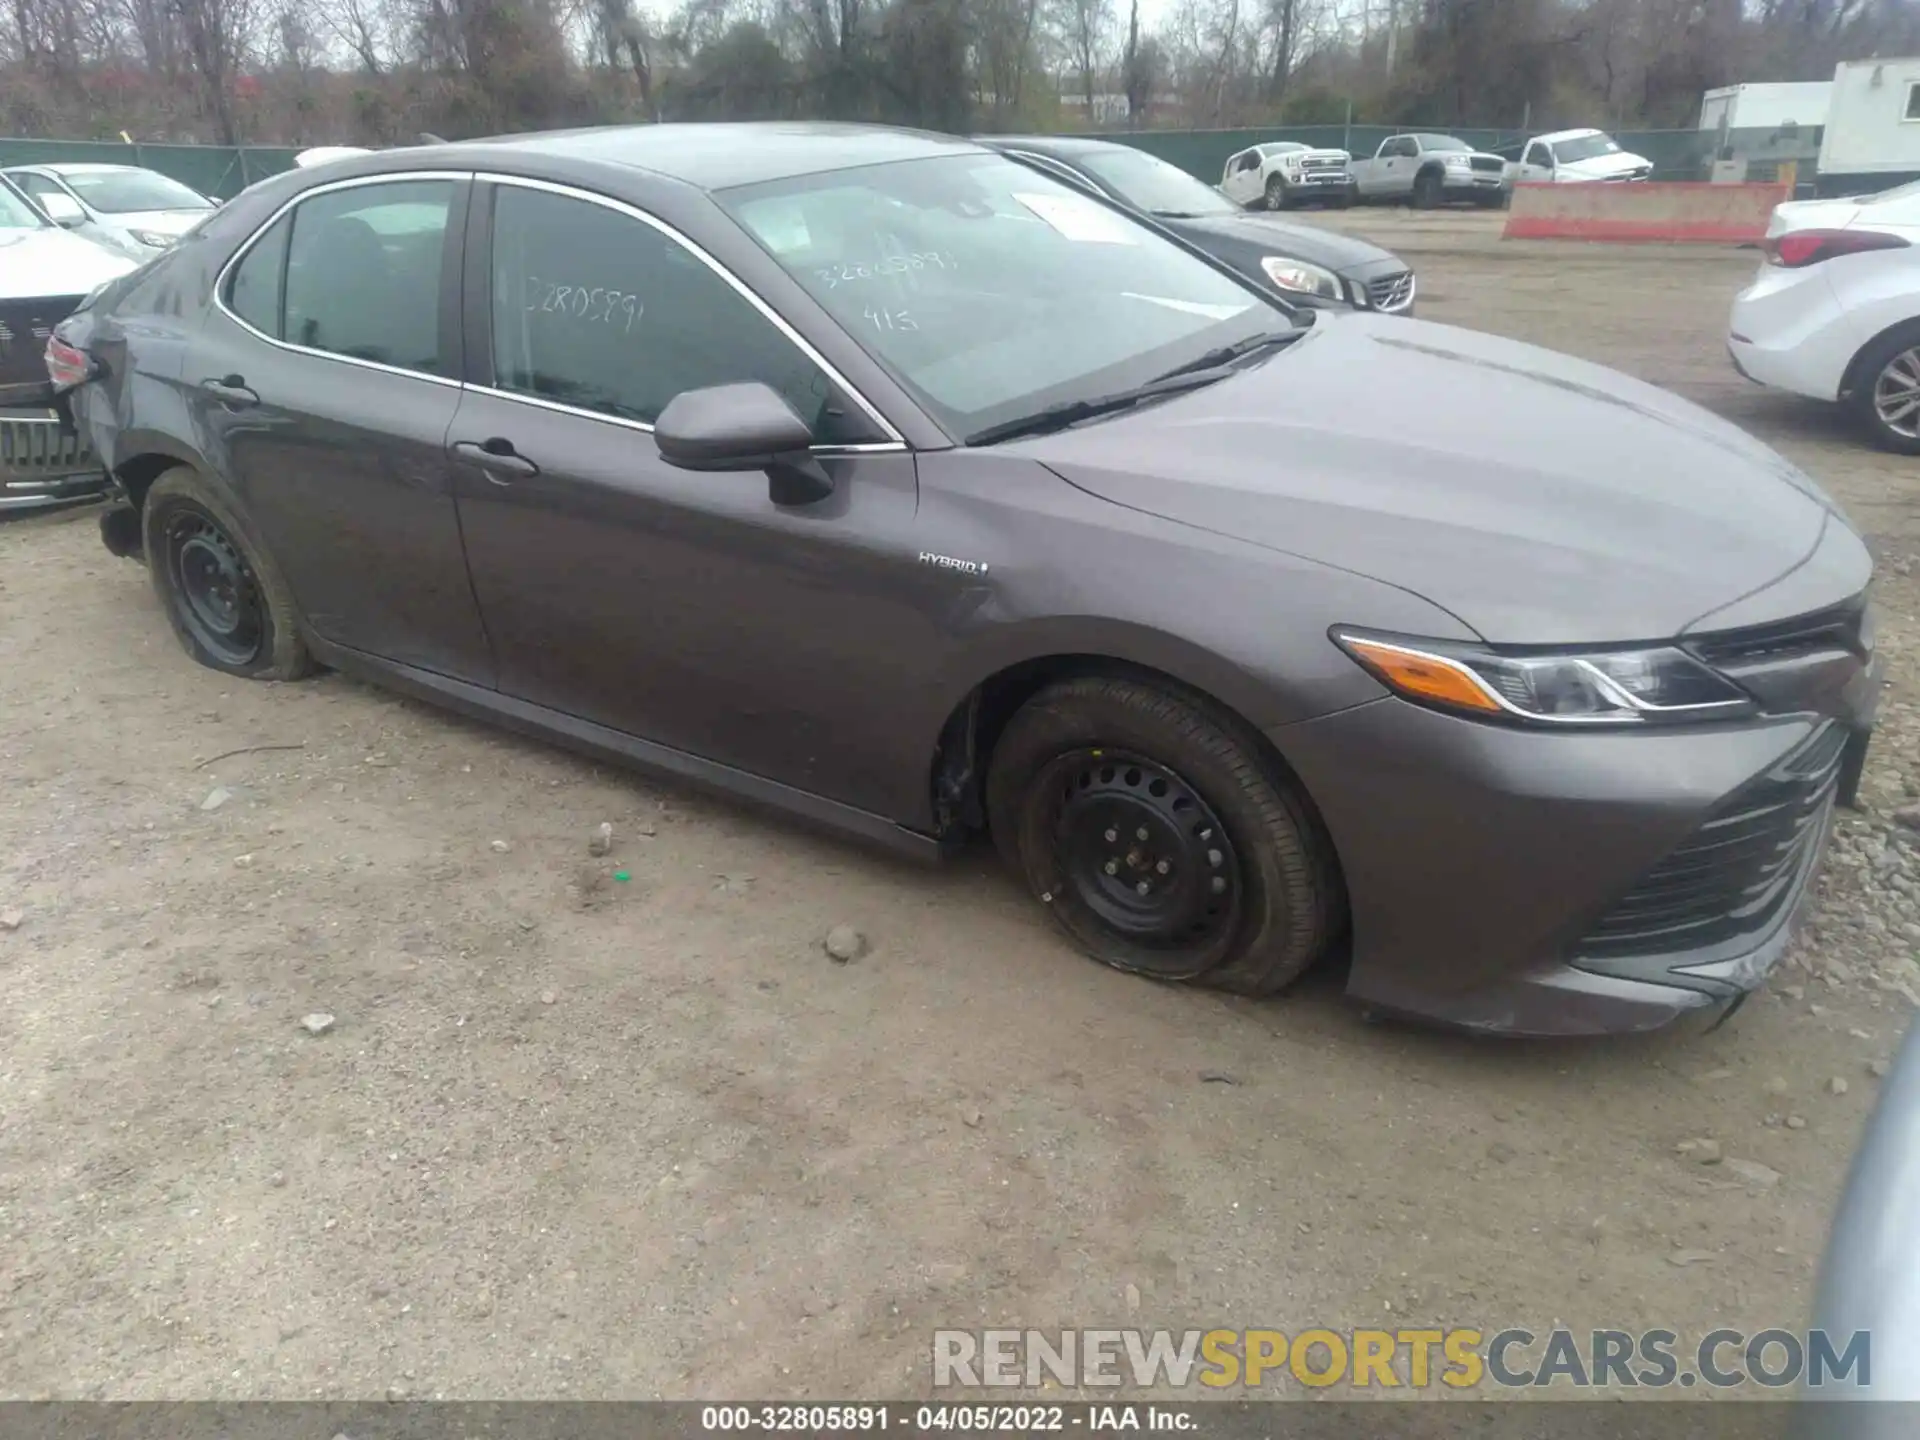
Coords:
pixel 1299 278
pixel 1459 162
pixel 1600 687
pixel 152 238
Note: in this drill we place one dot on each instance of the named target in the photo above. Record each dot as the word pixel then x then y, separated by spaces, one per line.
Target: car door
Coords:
pixel 684 608
pixel 322 386
pixel 1234 182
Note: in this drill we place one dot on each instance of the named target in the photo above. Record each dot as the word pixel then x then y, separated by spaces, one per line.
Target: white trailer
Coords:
pixel 1872 138
pixel 1766 106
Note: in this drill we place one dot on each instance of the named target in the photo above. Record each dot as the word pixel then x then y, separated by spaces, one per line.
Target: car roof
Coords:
pixel 74 167
pixel 1281 147
pixel 1568 135
pixel 717 156
pixel 1425 135
pixel 1050 144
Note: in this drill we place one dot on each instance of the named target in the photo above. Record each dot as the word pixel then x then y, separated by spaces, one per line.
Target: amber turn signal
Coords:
pixel 1422 676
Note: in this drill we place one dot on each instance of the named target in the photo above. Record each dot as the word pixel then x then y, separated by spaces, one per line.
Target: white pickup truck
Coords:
pixel 1568 157
pixel 1426 170
pixel 1283 173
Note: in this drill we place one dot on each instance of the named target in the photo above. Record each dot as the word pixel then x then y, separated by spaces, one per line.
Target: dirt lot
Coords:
pixel 577 1136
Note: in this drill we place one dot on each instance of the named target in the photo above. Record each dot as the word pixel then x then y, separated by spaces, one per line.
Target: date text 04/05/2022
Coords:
pixel 960 1416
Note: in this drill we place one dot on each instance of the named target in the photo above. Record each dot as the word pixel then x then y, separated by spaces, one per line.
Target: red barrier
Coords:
pixel 1684 212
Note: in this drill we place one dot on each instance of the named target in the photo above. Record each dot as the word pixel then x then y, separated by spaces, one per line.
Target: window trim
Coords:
pixel 455 218
pixel 896 443
pixel 1909 116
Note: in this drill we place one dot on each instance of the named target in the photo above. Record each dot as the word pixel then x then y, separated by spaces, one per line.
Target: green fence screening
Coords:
pixel 211 169
pixel 1676 154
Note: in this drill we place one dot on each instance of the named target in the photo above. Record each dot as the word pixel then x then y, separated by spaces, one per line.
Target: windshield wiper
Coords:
pixel 1226 354
pixel 1072 412
pixel 1174 214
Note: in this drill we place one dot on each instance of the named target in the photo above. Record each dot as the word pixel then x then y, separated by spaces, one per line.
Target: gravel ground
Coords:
pixel 348 1070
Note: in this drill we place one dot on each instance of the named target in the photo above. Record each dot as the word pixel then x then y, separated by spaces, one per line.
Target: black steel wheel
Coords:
pixel 224 598
pixel 218 597
pixel 1161 837
pixel 1142 852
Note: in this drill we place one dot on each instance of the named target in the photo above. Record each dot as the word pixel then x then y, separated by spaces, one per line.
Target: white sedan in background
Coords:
pixel 1835 311
pixel 137 212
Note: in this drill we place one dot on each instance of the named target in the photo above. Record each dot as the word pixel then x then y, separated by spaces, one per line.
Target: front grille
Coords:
pixel 36 448
pixel 1324 167
pixel 1489 162
pixel 1824 631
pixel 25 328
pixel 1391 292
pixel 1737 872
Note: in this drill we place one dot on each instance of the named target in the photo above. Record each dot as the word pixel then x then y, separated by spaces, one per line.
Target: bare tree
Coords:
pixel 214 35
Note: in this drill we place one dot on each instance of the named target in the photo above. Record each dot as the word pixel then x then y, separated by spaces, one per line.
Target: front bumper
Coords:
pixel 43 462
pixel 1548 884
pixel 1473 185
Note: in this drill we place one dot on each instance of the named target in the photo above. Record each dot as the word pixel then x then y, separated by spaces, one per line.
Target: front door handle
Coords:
pixel 231 392
pixel 497 457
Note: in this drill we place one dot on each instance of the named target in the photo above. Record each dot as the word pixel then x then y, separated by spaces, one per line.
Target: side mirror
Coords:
pixel 743 427
pixel 63 210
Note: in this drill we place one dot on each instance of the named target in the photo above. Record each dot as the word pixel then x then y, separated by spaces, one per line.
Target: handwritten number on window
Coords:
pixel 884 320
pixel 596 304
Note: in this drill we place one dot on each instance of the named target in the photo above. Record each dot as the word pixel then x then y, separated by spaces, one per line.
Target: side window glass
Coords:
pixel 254 288
pixel 596 309
pixel 1539 156
pixel 363 273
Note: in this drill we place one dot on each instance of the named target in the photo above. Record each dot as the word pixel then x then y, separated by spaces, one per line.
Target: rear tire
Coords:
pixel 223 595
pixel 1885 398
pixel 1426 190
pixel 1231 885
pixel 1277 194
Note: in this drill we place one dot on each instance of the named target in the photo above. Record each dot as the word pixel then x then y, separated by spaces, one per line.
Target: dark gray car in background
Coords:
pixel 885 480
pixel 1307 264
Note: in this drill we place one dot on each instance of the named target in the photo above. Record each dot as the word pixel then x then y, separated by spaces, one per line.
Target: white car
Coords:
pixel 1570 157
pixel 1835 311
pixel 1283 173
pixel 137 212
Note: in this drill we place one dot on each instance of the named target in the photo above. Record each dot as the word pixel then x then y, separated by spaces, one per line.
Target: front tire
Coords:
pixel 1277 194
pixel 1161 838
pixel 1886 390
pixel 224 597
pixel 1426 191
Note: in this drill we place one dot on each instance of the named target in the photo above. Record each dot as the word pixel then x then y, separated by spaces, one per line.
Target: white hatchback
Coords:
pixel 1835 311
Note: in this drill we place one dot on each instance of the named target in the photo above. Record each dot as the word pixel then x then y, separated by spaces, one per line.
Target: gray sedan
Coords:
pixel 881 479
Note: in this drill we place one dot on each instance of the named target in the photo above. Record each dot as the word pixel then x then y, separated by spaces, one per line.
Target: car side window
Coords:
pixel 1250 160
pixel 38 186
pixel 255 287
pixel 597 309
pixel 1541 156
pixel 363 273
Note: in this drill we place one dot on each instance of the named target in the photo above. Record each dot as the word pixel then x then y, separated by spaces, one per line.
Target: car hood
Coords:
pixel 1279 237
pixel 36 263
pixel 1791 215
pixel 161 222
pixel 1603 167
pixel 1540 499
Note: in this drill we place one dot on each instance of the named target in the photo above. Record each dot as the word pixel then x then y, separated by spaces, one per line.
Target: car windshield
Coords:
pixel 1150 183
pixel 122 192
pixel 991 292
pixel 1584 147
pixel 1443 143
pixel 15 212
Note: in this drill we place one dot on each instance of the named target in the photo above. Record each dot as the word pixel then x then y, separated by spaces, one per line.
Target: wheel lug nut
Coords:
pixel 1141 833
pixel 1219 884
pixel 1113 867
pixel 1213 857
pixel 1112 835
pixel 1163 867
pixel 1141 887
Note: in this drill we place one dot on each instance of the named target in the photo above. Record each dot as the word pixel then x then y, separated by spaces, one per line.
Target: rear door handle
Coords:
pixel 231 392
pixel 497 457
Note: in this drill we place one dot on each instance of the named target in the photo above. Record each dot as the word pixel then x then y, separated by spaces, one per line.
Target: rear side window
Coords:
pixel 254 289
pixel 599 310
pixel 363 274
